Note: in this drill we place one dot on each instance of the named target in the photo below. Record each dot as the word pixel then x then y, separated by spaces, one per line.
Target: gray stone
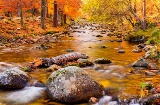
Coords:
pixel 140 63
pixel 13 78
pixel 72 85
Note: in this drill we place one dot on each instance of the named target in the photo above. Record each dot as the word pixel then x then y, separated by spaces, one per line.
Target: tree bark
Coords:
pixel 43 7
pixel 65 18
pixel 47 15
pixel 144 15
pixel 20 12
pixel 55 21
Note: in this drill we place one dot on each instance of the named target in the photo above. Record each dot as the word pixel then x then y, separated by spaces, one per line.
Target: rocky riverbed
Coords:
pixel 111 68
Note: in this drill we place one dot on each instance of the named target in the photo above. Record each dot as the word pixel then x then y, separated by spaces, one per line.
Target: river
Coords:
pixel 115 75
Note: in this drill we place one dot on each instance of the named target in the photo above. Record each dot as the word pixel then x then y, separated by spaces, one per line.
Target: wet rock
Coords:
pixel 149 73
pixel 147 47
pixel 103 46
pixel 102 61
pixel 119 40
pixel 99 36
pixel 140 63
pixel 27 69
pixel 13 78
pixel 111 40
pixel 152 100
pixel 37 83
pixel 93 100
pixel 142 45
pixel 72 85
pixel 69 50
pixel 21 97
pixel 53 68
pixel 121 51
pixel 152 66
pixel 98 67
pixel 137 50
pixel 85 62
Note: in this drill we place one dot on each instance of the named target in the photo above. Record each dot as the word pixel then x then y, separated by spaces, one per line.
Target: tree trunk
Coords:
pixel 65 18
pixel 62 18
pixel 55 22
pixel 43 3
pixel 144 15
pixel 20 12
pixel 47 15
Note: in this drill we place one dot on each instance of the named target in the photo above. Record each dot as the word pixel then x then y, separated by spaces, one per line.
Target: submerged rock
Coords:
pixel 102 61
pixel 72 85
pixel 121 51
pixel 13 78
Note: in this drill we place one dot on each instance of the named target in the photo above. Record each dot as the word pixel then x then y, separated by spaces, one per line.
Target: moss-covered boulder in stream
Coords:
pixel 102 61
pixel 72 85
pixel 13 78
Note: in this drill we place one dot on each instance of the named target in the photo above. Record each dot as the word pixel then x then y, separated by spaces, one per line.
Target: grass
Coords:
pixel 151 35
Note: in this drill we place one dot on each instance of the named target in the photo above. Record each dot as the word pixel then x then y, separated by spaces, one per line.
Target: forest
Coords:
pixel 80 52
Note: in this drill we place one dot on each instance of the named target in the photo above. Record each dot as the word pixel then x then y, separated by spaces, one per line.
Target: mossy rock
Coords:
pixel 102 61
pixel 84 62
pixel 72 85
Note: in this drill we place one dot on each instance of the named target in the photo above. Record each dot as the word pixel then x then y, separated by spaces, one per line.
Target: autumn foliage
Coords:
pixel 68 7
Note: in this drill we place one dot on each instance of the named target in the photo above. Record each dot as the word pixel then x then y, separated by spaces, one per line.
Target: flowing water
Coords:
pixel 115 75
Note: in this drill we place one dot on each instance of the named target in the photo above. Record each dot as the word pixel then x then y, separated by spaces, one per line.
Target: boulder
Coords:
pixel 13 78
pixel 72 85
pixel 140 63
